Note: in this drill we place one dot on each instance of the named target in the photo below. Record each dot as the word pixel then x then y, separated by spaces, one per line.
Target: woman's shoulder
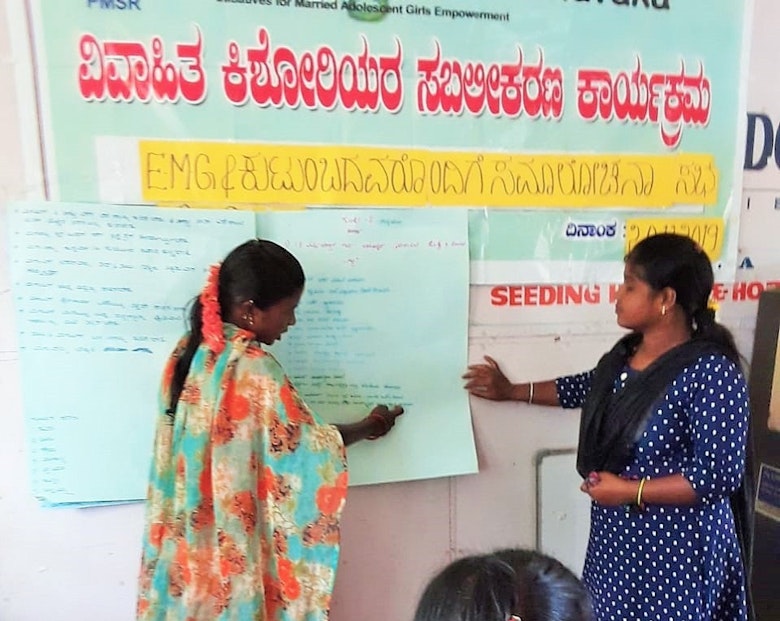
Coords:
pixel 712 376
pixel 712 367
pixel 258 360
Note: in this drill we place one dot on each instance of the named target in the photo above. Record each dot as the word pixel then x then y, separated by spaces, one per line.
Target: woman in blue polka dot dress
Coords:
pixel 662 447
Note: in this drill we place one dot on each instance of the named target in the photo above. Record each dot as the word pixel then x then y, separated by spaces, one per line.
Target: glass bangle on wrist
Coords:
pixel 639 492
pixel 384 423
pixel 637 505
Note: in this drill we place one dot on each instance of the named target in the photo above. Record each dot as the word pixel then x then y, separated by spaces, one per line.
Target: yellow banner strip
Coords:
pixel 707 232
pixel 261 174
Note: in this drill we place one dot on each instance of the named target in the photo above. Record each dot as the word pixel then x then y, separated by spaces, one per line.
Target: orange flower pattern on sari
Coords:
pixel 323 531
pixel 239 513
pixel 295 409
pixel 330 498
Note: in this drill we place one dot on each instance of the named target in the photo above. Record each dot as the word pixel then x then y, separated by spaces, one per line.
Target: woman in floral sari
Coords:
pixel 247 484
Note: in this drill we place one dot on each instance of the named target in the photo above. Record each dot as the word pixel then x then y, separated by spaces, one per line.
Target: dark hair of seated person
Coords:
pixel 506 585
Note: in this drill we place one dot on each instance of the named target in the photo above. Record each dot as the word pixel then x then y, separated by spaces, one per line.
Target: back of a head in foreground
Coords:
pixel 507 585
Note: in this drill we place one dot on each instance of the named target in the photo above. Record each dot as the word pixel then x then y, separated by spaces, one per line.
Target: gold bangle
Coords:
pixel 639 492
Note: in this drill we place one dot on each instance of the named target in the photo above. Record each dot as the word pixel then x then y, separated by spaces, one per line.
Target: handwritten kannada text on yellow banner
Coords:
pixel 237 173
pixel 707 232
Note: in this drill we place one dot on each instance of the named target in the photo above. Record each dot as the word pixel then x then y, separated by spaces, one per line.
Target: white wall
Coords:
pixel 81 565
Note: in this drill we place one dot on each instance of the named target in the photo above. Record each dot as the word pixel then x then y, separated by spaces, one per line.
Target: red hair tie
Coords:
pixel 213 336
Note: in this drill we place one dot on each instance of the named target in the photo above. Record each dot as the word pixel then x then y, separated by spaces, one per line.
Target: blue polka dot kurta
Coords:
pixel 675 562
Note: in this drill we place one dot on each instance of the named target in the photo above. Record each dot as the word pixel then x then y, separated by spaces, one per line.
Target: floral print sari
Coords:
pixel 245 495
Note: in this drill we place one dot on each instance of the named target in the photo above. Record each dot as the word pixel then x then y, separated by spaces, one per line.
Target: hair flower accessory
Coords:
pixel 213 336
pixel 713 305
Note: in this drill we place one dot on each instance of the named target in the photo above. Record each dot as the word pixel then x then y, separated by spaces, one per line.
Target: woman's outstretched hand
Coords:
pixel 382 420
pixel 377 424
pixel 488 381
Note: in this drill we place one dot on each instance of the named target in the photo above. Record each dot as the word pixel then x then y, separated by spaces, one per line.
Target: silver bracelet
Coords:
pixel 530 393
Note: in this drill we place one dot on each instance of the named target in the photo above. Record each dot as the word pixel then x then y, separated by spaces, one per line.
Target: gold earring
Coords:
pixel 663 310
